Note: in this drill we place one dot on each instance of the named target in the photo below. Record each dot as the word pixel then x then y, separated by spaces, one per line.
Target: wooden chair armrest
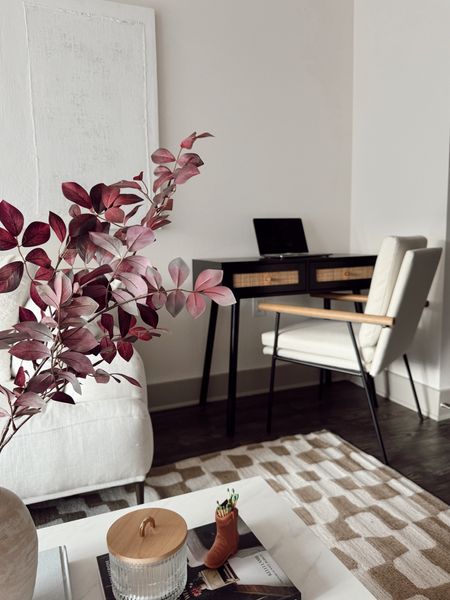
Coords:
pixel 342 296
pixel 323 313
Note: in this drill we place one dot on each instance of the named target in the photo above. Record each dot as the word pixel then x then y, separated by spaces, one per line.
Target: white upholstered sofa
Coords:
pixel 105 440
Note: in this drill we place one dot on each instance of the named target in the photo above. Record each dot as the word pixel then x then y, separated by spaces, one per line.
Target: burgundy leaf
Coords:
pixel 20 378
pixel 190 157
pixel 25 314
pixel 96 195
pixel 131 380
pixel 185 173
pixel 175 302
pixel 205 134
pixel 80 340
pixel 44 273
pixel 189 141
pixel 62 397
pixel 70 255
pixel 97 272
pixel 107 349
pixel 82 306
pixel 7 240
pixel 125 321
pixel 139 177
pixel 81 224
pixel 11 217
pixel 162 156
pixel 107 242
pixel 207 279
pixel 11 397
pixel 125 349
pixel 179 271
pixel 35 234
pixel 30 350
pixel 30 400
pixel 195 304
pixel 115 215
pixel 77 361
pixel 124 183
pixel 127 199
pixel 75 193
pixel 140 333
pixel 107 323
pixel 58 226
pixel 109 195
pixel 220 294
pixel 35 331
pixel 11 276
pixel 164 178
pixel 138 237
pixel 41 382
pixel 38 257
pixel 148 315
pixel 36 297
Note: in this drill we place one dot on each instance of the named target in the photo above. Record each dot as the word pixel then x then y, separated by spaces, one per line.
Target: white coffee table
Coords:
pixel 309 564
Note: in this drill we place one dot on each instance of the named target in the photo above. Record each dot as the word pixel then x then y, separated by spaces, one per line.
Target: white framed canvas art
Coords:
pixel 79 97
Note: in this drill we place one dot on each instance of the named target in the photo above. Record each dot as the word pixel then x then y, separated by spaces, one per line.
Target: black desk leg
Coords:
pixel 208 353
pixel 232 371
pixel 325 374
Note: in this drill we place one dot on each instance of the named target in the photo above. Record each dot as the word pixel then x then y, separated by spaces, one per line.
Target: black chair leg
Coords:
pixel 373 392
pixel 139 488
pixel 270 396
pixel 413 387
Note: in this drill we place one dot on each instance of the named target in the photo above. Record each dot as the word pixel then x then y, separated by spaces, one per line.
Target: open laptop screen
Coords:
pixel 280 236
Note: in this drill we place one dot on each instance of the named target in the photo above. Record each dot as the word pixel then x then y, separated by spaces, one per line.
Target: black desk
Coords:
pixel 257 278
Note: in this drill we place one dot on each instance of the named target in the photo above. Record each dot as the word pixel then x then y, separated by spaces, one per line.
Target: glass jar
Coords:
pixel 147 552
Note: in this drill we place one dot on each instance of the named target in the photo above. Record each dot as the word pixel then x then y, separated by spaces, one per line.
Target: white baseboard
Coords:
pixel 398 389
pixel 185 392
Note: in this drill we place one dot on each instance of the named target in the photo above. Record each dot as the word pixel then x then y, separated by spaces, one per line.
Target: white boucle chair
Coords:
pixel 104 440
pixel 402 278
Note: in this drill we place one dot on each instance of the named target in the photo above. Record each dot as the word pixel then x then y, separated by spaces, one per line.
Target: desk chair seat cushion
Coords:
pixel 387 267
pixel 316 341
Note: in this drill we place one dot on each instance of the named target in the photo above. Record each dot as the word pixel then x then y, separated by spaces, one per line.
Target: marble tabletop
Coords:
pixel 308 563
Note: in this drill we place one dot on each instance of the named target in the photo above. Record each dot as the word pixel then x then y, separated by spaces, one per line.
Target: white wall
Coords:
pixel 272 82
pixel 400 163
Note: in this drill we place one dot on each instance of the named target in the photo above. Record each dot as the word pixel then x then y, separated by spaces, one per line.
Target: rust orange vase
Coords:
pixel 227 540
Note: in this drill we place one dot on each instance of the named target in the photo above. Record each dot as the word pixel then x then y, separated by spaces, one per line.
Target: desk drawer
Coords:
pixel 330 275
pixel 264 279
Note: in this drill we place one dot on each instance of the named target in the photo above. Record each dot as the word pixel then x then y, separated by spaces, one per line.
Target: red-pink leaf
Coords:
pixel 126 199
pixel 139 177
pixel 164 178
pixel 162 156
pixel 207 279
pixel 115 215
pixel 47 295
pixel 75 193
pixel 38 257
pixel 74 210
pixel 220 294
pixel 102 376
pixel 175 302
pixel 81 224
pixel 80 340
pixel 36 297
pixel 58 226
pixel 25 314
pixel 205 134
pixel 107 323
pixel 20 378
pixel 71 378
pixel 134 284
pixel 126 301
pixel 41 382
pixel 195 304
pixel 30 400
pixel 131 380
pixel 124 183
pixel 140 333
pixel 44 273
pixel 148 315
pixel 185 173
pixel 158 299
pixel 134 264
pixel 138 237
pixel 110 195
pixel 107 349
pixel 11 276
pixel 11 217
pixel 153 277
pixel 7 240
pixel 62 286
pixel 179 271
pixel 35 331
pixel 189 141
pixel 82 306
pixel 77 361
pixel 30 350
pixel 109 243
pixel 62 397
pixel 35 234
pixel 125 350
pixel 190 157
pixel 161 170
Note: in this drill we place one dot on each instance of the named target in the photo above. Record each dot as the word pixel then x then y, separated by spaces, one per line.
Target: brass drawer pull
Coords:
pixel 243 280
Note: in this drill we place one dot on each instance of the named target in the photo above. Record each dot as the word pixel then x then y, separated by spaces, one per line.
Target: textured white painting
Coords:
pixel 92 83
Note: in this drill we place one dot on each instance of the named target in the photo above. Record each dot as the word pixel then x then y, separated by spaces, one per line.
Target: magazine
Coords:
pixel 250 574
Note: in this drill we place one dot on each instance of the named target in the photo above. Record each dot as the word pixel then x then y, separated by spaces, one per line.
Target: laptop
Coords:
pixel 282 238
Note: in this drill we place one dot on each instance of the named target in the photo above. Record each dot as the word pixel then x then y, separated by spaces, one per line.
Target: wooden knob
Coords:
pixel 144 524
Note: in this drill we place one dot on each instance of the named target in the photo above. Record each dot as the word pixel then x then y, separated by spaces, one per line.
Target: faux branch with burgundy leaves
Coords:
pixel 101 294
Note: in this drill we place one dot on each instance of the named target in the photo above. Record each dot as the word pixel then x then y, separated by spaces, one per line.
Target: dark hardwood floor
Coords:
pixel 420 451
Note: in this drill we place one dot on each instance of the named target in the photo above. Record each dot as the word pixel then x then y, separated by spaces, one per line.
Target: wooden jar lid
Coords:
pixel 147 535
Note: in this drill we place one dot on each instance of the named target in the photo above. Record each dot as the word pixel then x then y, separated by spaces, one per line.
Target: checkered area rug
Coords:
pixel 391 534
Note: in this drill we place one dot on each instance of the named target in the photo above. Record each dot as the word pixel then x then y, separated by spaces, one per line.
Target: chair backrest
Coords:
pixel 387 268
pixel 406 305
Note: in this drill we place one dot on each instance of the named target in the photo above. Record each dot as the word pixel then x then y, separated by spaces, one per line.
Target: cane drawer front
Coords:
pixel 349 274
pixel 266 278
